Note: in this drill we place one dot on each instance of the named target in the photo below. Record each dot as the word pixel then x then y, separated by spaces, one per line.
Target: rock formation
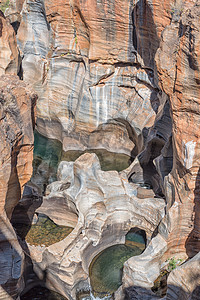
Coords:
pixel 82 81
pixel 179 78
pixel 116 75
pixel 17 103
pixel 9 54
pixel 107 208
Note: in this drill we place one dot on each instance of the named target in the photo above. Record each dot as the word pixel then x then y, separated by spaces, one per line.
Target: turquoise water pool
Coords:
pixel 107 267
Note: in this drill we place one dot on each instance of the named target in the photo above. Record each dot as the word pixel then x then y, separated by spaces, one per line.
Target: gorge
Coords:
pixel 99 160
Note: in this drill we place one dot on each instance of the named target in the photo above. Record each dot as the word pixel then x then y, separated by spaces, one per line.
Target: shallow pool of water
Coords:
pixel 48 154
pixel 108 160
pixel 106 269
pixel 46 232
pixel 46 157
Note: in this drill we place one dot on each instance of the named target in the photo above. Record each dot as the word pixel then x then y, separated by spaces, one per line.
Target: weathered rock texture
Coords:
pixel 179 78
pixel 184 282
pixel 122 76
pixel 17 103
pixel 107 209
pixel 83 64
pixel 9 54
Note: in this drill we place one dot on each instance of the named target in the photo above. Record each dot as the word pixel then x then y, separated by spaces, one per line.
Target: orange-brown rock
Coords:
pixel 9 54
pixel 17 102
pixel 178 63
pixel 82 63
pixel 103 68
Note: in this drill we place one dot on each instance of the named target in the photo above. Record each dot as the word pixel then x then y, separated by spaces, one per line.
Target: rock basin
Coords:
pixel 46 232
pixel 107 267
pixel 48 153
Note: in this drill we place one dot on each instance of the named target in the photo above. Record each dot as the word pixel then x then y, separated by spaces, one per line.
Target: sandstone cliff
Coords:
pixel 121 76
pixel 17 103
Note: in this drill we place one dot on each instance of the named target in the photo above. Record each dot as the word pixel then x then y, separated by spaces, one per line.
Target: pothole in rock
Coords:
pixel 48 154
pixel 41 293
pixel 108 160
pixel 43 232
pixel 46 157
pixel 107 267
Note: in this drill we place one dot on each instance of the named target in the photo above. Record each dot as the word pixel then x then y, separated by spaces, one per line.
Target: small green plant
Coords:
pixel 173 263
pixel 4 5
pixel 62 54
pixel 76 40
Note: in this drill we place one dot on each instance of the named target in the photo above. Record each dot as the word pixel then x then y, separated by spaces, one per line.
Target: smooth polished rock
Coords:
pixel 107 209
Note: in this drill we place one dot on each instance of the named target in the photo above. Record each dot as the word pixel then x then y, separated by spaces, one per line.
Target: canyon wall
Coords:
pixel 121 76
pixel 17 106
pixel 17 103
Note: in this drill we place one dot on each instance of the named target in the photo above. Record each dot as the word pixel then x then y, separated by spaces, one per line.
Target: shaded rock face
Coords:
pixel 184 282
pixel 17 103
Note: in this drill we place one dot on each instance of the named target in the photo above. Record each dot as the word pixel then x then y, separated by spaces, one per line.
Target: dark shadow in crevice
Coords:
pixel 20 72
pixel 150 174
pixel 15 26
pixel 10 260
pixel 144 33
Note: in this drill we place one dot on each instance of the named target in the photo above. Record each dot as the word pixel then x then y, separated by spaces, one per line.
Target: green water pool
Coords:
pixel 107 267
pixel 108 160
pixel 46 232
pixel 48 154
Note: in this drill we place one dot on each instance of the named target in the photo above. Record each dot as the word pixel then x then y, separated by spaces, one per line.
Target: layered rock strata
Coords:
pixel 17 103
pixel 9 54
pixel 82 81
pixel 179 78
pixel 112 77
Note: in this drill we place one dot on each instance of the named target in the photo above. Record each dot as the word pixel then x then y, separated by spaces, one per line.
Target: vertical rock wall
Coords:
pixel 17 104
pixel 178 71
pixel 121 69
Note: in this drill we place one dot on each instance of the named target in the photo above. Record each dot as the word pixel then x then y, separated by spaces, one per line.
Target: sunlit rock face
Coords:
pixel 121 76
pixel 103 207
pixel 17 102
pixel 179 78
pixel 83 65
pixel 9 54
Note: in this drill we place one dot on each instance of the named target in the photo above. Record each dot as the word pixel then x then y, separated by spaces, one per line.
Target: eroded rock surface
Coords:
pixel 85 70
pixel 179 78
pixel 184 282
pixel 107 209
pixel 9 54
pixel 17 102
pixel 122 76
